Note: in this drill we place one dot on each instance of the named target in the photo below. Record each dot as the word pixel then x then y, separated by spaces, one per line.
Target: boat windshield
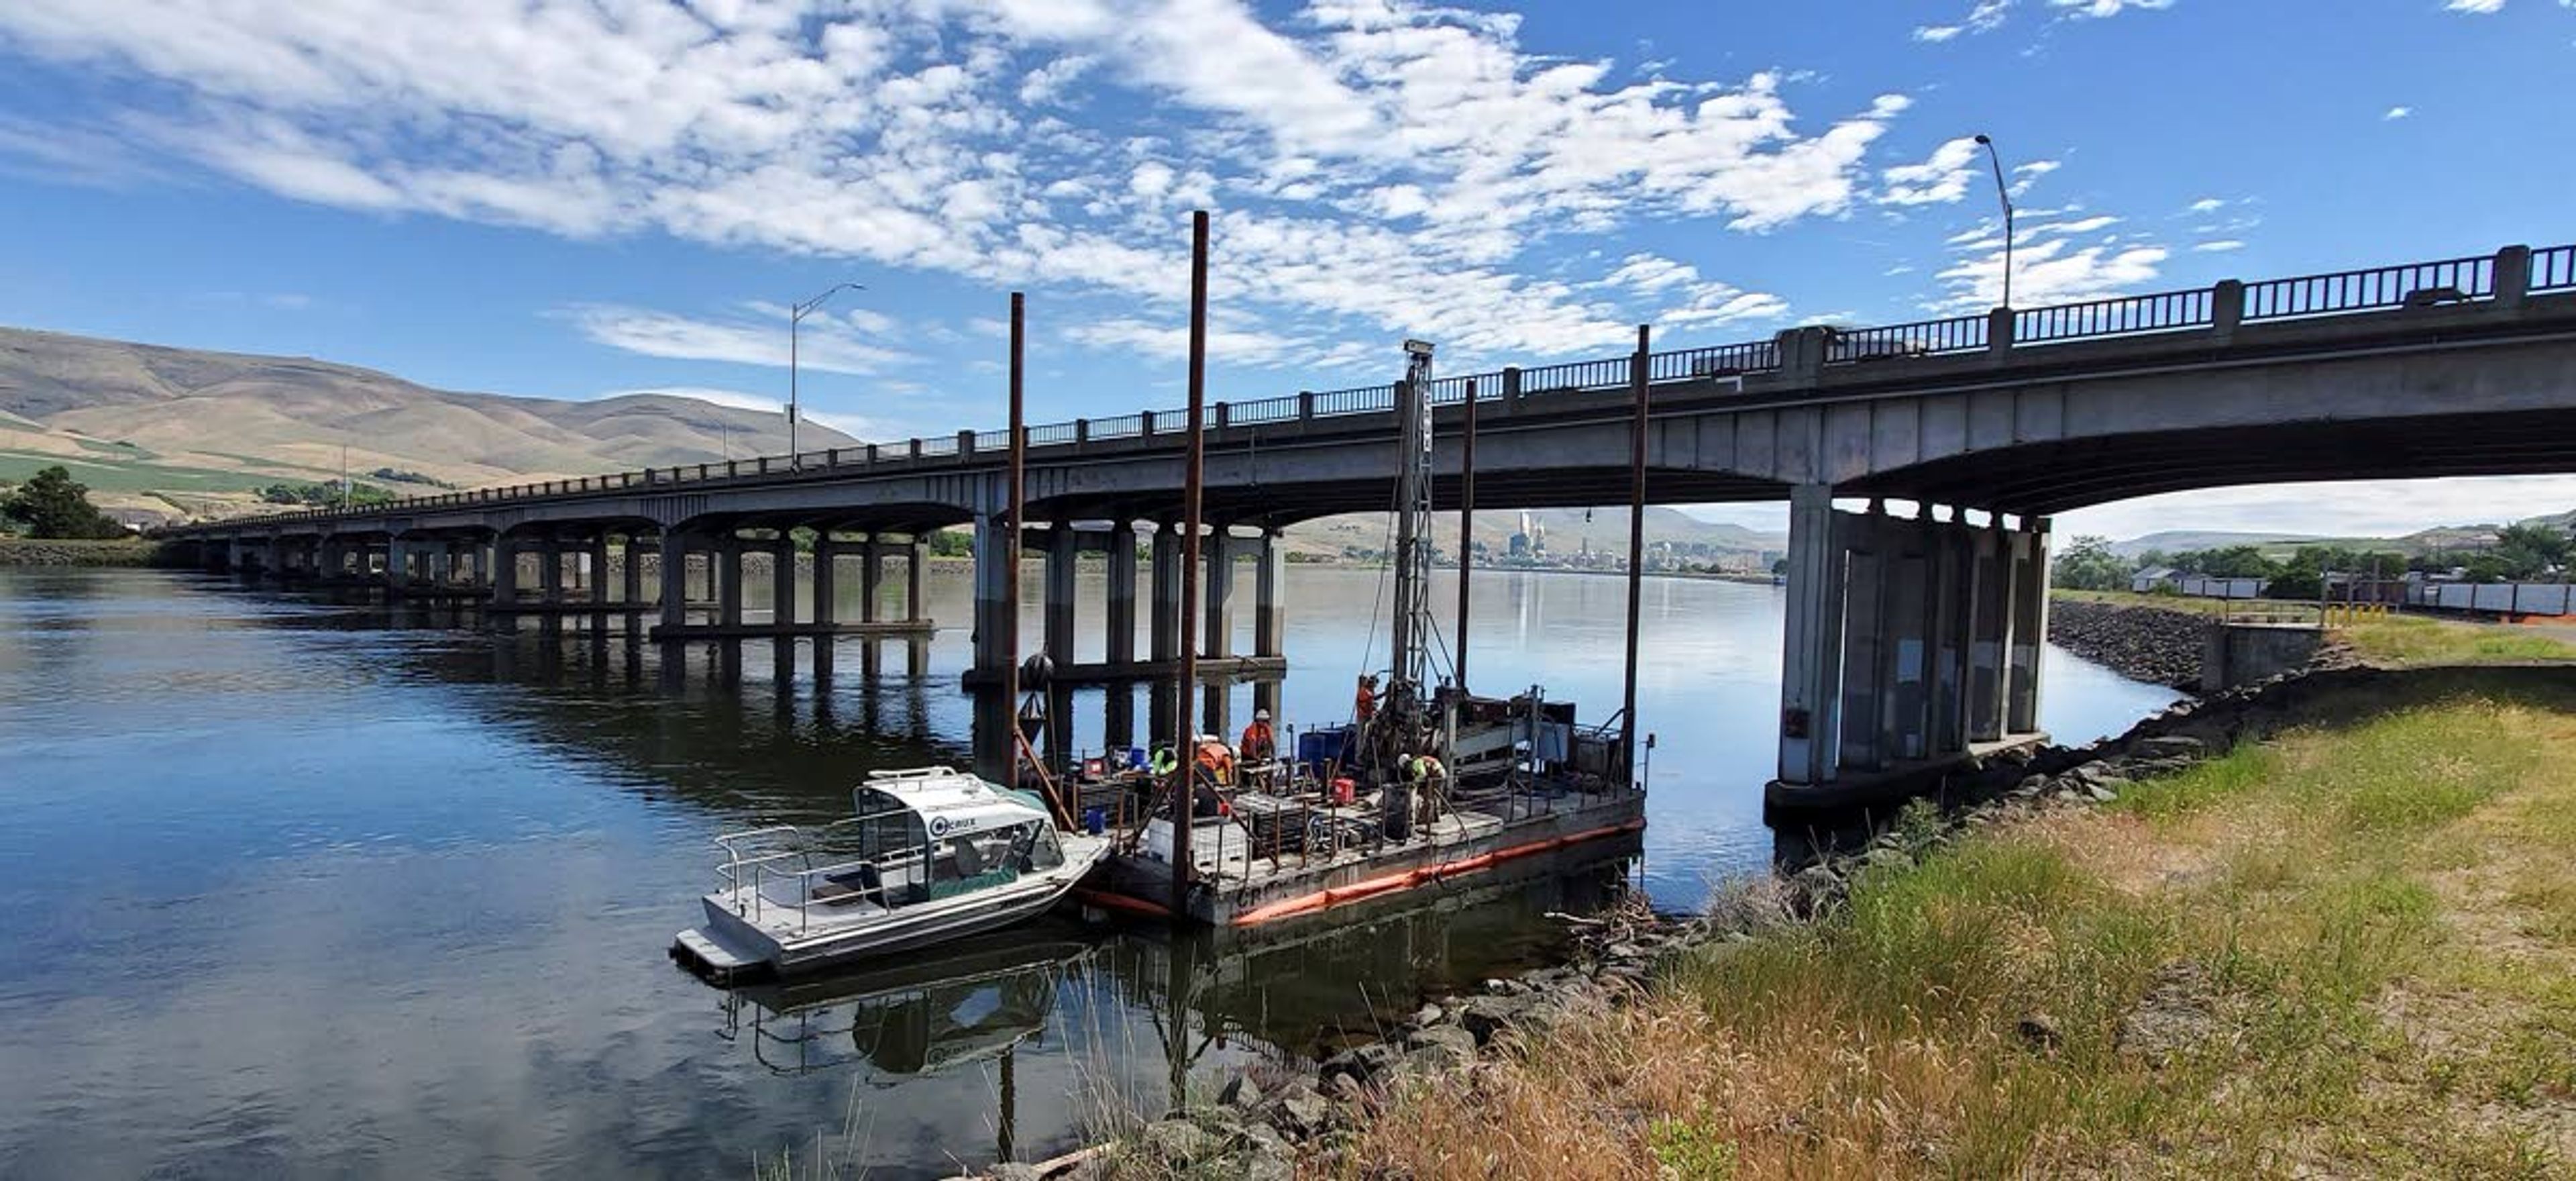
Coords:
pixel 888 831
pixel 1036 849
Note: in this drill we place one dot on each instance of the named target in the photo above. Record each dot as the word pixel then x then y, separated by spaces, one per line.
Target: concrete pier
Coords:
pixel 1064 616
pixel 1909 645
pixel 1119 612
pixel 1218 613
pixel 1063 568
pixel 1166 642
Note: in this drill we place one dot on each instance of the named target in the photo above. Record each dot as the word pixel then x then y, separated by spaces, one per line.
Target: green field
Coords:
pixel 132 476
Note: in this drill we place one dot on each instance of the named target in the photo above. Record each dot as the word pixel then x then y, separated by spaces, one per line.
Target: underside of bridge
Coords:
pixel 2042 479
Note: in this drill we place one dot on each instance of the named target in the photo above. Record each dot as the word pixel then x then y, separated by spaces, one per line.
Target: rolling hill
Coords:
pixel 169 432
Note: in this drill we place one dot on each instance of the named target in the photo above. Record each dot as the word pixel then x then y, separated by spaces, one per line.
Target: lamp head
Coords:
pixel 1983 140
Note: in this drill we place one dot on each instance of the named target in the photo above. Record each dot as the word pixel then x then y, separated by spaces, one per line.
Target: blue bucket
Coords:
pixel 1095 820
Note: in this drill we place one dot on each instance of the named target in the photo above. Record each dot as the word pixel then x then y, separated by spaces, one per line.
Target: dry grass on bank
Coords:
pixel 2350 951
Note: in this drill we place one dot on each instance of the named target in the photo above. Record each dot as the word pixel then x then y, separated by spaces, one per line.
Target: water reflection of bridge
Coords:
pixel 688 714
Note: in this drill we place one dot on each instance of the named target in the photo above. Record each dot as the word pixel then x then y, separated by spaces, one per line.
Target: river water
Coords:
pixel 296 885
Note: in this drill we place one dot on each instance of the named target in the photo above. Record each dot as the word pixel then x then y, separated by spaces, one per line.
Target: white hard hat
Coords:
pixel 1261 715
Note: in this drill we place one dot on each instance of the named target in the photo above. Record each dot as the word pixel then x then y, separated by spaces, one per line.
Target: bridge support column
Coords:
pixel 1949 642
pixel 675 581
pixel 550 555
pixel 2029 626
pixel 1120 614
pixel 1063 563
pixel 782 580
pixel 1811 640
pixel 1269 609
pixel 826 584
pixel 997 618
pixel 1990 630
pixel 1904 650
pixel 505 571
pixel 1166 641
pixel 397 565
pixel 724 576
pixel 630 576
pixel 872 556
pixel 1220 594
pixel 597 560
pixel 915 609
pixel 1861 712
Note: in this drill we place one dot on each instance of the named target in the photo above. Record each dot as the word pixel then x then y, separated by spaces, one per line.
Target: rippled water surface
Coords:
pixel 297 886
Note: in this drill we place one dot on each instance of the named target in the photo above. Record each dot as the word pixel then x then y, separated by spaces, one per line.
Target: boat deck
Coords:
pixel 1245 879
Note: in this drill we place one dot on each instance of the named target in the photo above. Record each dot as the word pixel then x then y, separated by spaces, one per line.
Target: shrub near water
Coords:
pixel 2198 982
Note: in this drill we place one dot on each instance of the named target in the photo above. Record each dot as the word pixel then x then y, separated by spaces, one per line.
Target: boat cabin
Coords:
pixel 931 834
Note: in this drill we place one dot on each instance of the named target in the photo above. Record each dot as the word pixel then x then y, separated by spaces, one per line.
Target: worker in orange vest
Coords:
pixel 1259 745
pixel 1364 706
pixel 1215 761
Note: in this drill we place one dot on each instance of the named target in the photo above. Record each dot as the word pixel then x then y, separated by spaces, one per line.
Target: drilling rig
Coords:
pixel 1405 723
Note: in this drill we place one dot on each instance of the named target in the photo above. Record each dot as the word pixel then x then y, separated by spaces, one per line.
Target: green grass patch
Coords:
pixel 136 476
pixel 2188 791
pixel 2416 640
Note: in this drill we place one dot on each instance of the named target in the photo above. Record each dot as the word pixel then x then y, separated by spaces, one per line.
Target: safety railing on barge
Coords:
pixel 2508 275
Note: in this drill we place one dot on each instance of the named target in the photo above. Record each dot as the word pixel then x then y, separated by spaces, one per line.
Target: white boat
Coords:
pixel 930 855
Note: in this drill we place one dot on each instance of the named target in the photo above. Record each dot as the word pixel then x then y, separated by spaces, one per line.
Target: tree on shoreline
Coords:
pixel 2088 564
pixel 53 505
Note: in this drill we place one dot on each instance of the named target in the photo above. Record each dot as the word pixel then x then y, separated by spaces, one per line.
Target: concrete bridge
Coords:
pixel 1921 463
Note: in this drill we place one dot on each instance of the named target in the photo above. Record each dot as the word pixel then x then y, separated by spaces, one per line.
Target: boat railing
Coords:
pixel 803 881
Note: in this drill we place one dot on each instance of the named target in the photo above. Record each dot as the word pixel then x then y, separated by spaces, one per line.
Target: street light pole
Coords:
pixel 2003 193
pixel 796 314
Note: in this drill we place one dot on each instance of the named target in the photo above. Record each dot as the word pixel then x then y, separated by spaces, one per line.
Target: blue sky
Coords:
pixel 574 198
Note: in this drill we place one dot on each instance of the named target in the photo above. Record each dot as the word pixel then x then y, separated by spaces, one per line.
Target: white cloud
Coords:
pixel 1986 16
pixel 2058 256
pixel 2396 113
pixel 2218 246
pixel 1171 342
pixel 2026 175
pixel 2477 6
pixel 2105 8
pixel 1942 178
pixel 2206 205
pixel 946 136
pixel 823 344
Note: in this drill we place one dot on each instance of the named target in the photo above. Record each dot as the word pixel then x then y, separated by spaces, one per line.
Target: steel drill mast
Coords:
pixel 1407 698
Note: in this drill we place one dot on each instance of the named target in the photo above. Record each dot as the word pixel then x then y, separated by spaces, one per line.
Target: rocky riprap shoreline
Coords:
pixel 2155 644
pixel 1266 1119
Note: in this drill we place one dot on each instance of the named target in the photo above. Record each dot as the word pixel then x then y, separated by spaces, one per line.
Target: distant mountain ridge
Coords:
pixel 182 431
pixel 2438 539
